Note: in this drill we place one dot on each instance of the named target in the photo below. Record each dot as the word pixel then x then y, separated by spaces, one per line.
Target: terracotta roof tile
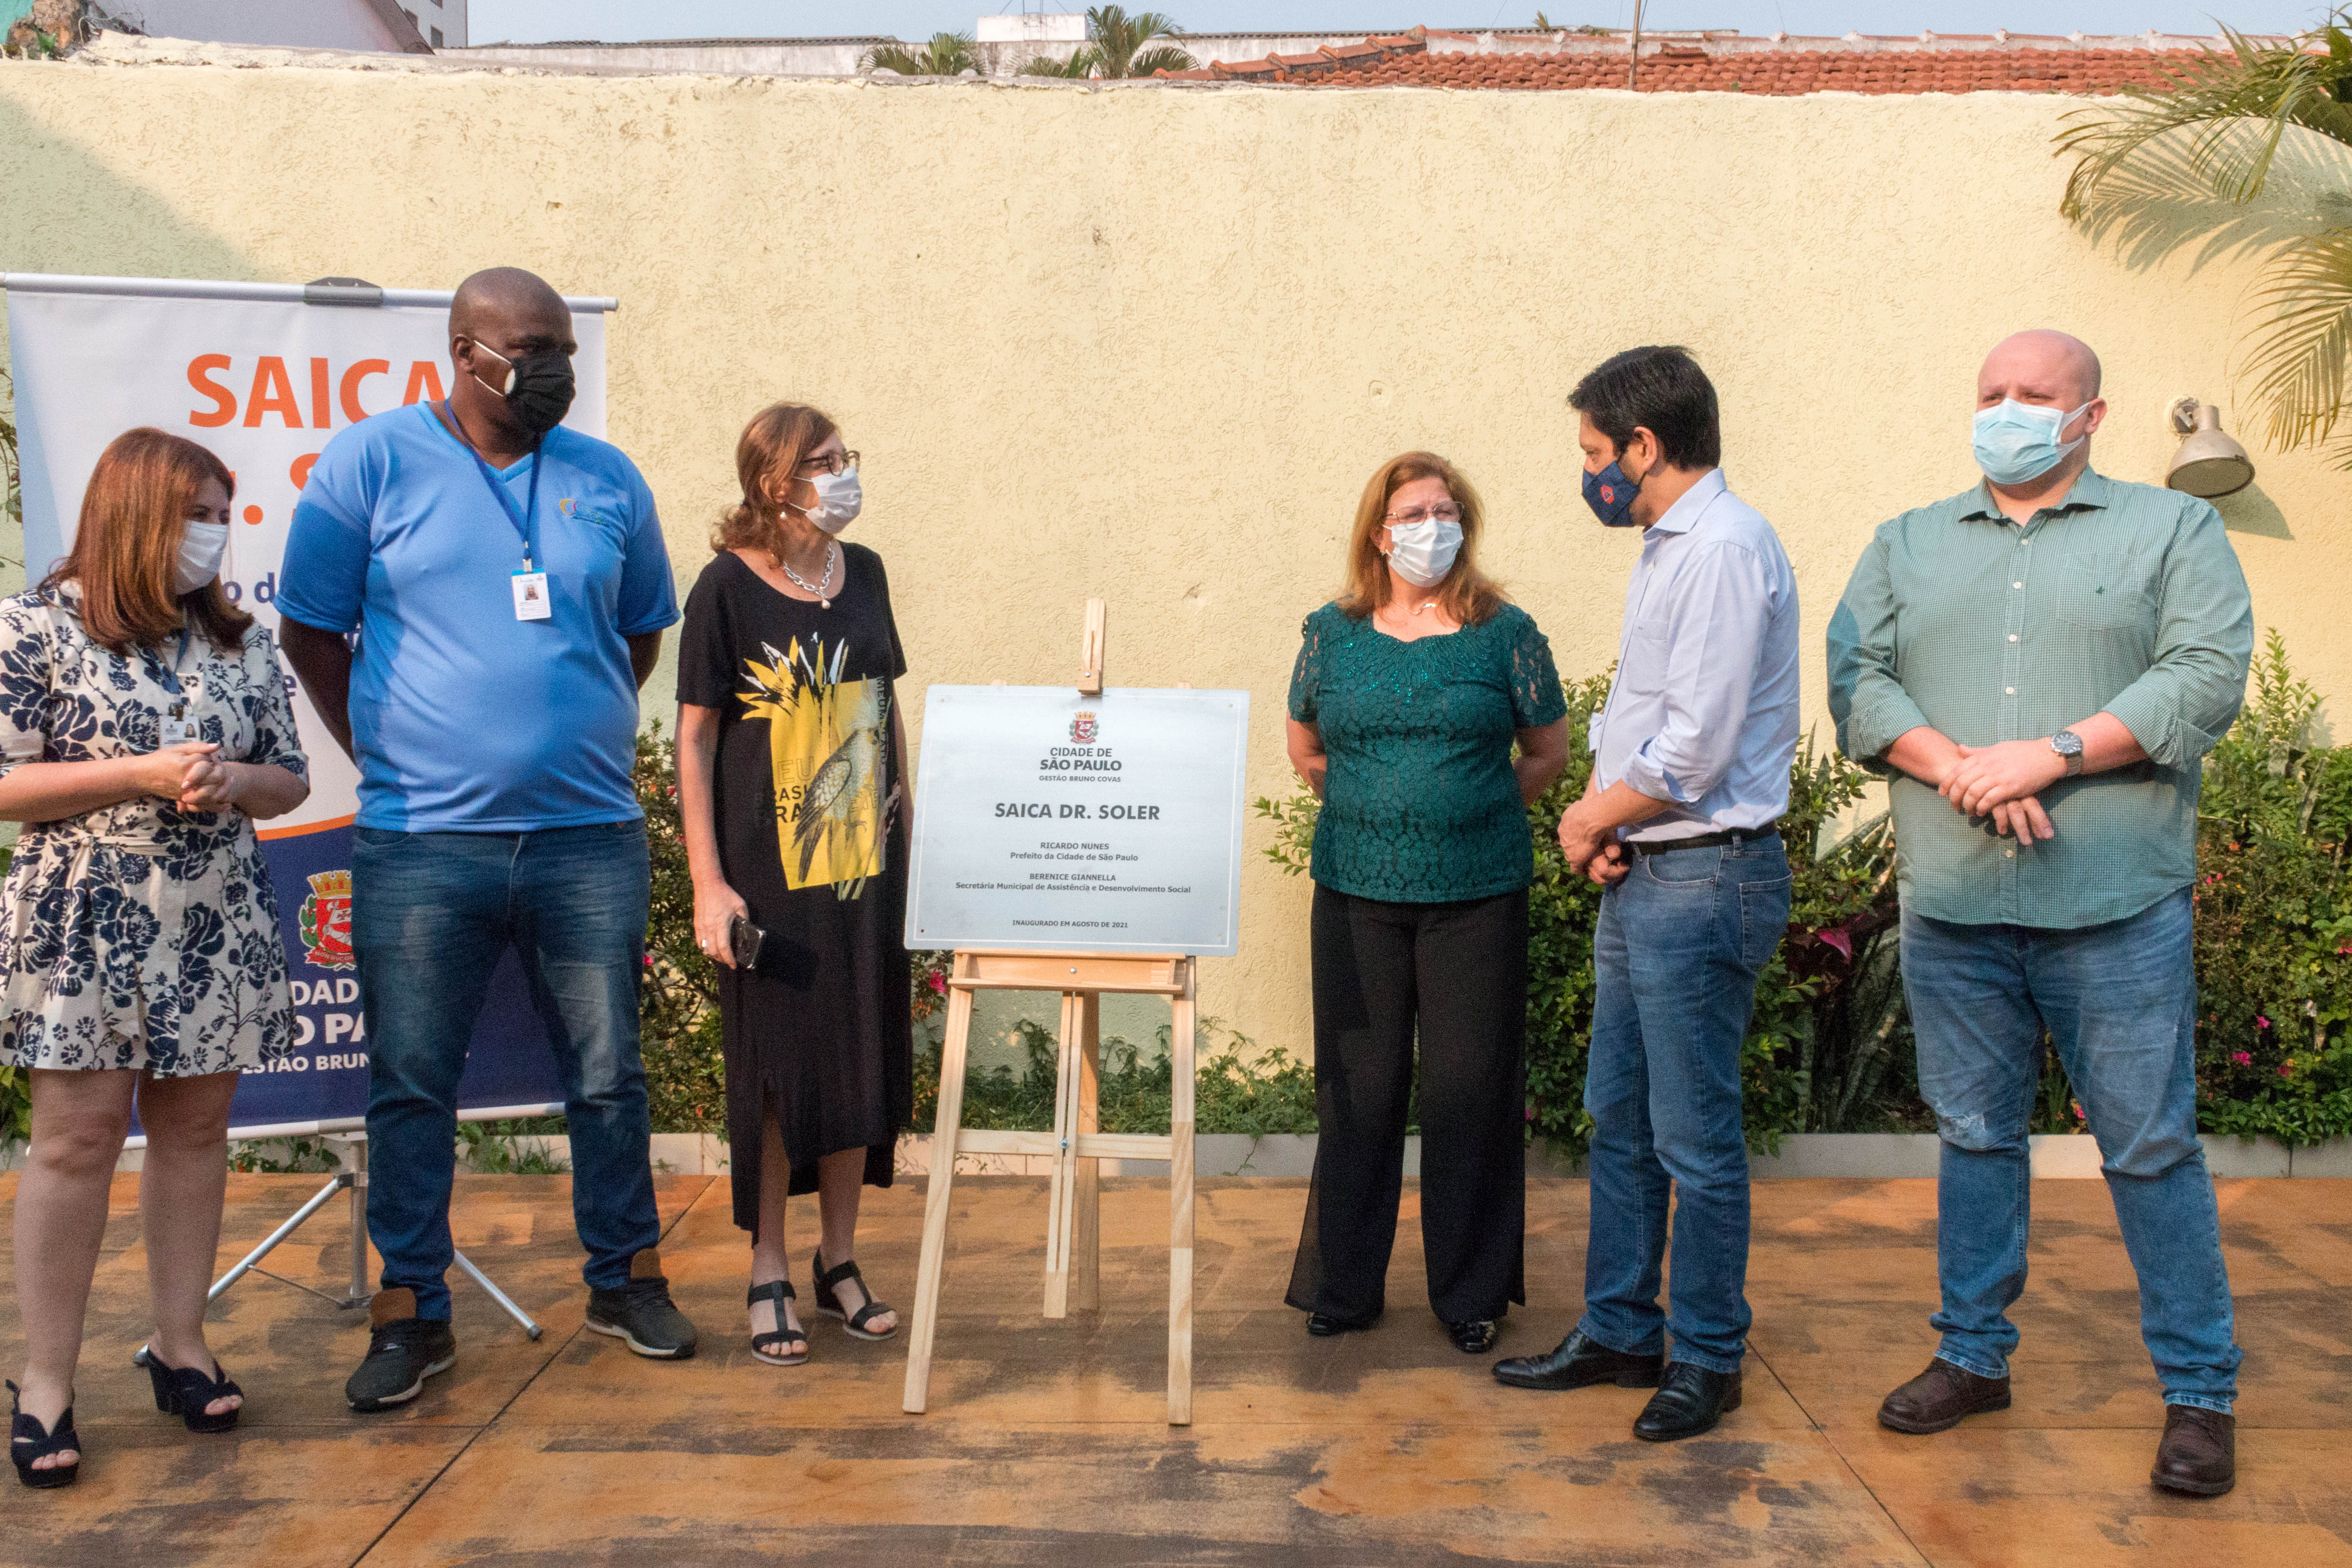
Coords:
pixel 1775 68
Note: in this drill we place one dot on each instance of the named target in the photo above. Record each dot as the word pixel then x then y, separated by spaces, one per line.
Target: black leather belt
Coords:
pixel 1730 836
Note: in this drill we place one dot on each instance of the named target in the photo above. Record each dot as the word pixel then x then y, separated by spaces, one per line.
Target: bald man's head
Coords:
pixel 510 340
pixel 2043 371
pixel 2061 369
pixel 501 298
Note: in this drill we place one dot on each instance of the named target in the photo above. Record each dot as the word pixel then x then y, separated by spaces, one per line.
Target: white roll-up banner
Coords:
pixel 264 377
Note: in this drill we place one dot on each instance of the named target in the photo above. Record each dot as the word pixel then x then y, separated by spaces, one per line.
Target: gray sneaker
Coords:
pixel 403 1350
pixel 641 1314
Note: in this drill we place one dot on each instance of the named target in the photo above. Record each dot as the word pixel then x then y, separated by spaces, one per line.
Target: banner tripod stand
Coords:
pixel 353 1179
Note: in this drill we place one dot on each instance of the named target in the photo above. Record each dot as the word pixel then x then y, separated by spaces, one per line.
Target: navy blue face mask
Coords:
pixel 1611 495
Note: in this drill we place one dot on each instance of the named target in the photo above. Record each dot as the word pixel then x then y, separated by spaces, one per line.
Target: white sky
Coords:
pixel 538 20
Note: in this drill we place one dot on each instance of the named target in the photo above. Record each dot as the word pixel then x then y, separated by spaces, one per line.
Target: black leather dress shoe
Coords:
pixel 2198 1454
pixel 1579 1362
pixel 1476 1337
pixel 1940 1398
pixel 1324 1326
pixel 1689 1401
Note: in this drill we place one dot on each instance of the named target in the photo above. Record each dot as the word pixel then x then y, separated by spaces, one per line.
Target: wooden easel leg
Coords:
pixel 1086 1191
pixel 1180 1206
pixel 1061 1193
pixel 936 1202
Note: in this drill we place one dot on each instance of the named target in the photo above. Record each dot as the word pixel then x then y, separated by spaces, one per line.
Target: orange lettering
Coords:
pixel 424 380
pixel 301 472
pixel 352 379
pixel 271 393
pixel 319 394
pixel 200 376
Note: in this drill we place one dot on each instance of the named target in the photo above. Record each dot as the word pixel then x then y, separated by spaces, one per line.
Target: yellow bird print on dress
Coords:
pixel 825 737
pixel 844 782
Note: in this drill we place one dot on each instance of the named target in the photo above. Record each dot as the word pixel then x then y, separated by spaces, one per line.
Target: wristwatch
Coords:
pixel 2069 745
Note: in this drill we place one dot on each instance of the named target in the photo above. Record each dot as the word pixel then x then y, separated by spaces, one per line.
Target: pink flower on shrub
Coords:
pixel 2261 1022
pixel 2243 1058
pixel 938 983
pixel 2286 1068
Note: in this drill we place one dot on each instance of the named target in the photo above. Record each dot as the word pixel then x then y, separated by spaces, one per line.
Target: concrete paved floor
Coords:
pixel 1046 1443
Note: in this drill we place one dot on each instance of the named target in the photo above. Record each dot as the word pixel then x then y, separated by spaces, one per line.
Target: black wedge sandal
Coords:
pixel 28 1440
pixel 183 1391
pixel 829 1303
pixel 765 1346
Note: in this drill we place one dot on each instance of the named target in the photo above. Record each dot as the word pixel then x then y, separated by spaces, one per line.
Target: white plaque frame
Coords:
pixel 983 879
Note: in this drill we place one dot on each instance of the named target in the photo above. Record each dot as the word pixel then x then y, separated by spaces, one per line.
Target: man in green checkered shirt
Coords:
pixel 2040 664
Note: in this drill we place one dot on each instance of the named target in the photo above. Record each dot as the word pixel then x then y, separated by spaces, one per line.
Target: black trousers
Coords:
pixel 1456 974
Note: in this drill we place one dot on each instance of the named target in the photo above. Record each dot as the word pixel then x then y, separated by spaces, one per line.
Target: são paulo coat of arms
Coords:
pixel 326 921
pixel 1082 729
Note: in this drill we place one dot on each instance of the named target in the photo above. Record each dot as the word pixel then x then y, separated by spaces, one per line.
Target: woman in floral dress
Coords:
pixel 143 724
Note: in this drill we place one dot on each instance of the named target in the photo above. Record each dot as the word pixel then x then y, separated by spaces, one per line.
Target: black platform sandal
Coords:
pixel 766 1346
pixel 183 1391
pixel 829 1303
pixel 29 1440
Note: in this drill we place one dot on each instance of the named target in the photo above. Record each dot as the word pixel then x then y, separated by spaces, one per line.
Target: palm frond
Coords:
pixel 1166 57
pixel 2303 358
pixel 2227 110
pixel 947 55
pixel 1079 65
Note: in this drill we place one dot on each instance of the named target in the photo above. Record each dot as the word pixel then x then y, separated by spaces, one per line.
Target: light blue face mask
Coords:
pixel 2018 442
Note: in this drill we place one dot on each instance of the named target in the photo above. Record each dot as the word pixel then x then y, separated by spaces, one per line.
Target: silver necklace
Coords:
pixel 823 586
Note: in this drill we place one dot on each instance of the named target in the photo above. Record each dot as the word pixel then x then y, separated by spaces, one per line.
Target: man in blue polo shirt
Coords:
pixel 507 581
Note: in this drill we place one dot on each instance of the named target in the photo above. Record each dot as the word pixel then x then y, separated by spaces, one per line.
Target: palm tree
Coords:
pixel 1122 44
pixel 2165 168
pixel 1116 47
pixel 947 55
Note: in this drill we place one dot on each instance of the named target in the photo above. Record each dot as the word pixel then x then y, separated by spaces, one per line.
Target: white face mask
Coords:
pixel 838 500
pixel 1424 552
pixel 202 545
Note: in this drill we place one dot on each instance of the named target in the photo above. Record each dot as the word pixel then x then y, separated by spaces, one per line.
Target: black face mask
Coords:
pixel 538 389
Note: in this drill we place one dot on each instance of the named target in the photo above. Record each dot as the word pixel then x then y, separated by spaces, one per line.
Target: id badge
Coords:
pixel 179 731
pixel 531 596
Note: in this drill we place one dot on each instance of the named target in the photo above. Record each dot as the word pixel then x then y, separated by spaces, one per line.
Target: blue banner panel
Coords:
pixel 509 1062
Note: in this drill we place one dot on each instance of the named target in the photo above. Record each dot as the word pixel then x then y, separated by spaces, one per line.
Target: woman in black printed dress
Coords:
pixel 792 785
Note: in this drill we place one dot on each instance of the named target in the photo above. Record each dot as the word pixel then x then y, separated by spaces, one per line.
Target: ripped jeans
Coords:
pixel 2119 1002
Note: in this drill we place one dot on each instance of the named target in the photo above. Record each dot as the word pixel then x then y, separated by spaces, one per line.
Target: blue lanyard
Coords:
pixel 524 519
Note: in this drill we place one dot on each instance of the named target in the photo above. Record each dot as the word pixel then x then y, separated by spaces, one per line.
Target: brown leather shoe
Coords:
pixel 2198 1454
pixel 1940 1398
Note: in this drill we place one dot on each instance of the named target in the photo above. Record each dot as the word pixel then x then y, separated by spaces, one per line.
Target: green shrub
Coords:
pixel 2275 921
pixel 1237 1089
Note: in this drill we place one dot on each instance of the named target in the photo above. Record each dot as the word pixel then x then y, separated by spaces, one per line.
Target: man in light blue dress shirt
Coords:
pixel 1690 775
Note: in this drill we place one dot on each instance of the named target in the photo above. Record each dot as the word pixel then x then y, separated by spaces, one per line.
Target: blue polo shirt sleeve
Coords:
pixel 324 577
pixel 648 592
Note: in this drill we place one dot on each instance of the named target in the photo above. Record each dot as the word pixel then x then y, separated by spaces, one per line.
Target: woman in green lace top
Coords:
pixel 1409 695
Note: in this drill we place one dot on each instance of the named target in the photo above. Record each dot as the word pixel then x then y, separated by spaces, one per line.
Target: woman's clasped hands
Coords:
pixel 191 775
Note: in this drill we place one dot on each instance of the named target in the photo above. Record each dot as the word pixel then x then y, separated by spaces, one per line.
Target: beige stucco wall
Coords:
pixel 1147 343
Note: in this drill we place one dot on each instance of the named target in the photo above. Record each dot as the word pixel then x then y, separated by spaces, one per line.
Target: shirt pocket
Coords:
pixel 2102 590
pixel 1642 669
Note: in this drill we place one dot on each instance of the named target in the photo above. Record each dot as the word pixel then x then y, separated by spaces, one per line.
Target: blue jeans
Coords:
pixel 1675 958
pixel 2119 1002
pixel 431 916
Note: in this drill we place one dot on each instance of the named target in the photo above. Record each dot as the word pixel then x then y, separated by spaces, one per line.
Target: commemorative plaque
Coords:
pixel 1046 819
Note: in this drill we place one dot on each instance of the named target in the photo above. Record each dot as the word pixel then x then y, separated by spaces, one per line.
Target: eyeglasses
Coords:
pixel 1443 512
pixel 832 463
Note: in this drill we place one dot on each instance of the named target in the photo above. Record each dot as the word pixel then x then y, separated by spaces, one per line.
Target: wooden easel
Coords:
pixel 1073 1226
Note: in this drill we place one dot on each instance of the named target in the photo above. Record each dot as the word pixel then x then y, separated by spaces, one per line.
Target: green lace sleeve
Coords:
pixel 1536 698
pixel 1307 674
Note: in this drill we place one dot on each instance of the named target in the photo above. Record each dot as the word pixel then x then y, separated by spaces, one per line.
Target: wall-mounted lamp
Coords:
pixel 2208 463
